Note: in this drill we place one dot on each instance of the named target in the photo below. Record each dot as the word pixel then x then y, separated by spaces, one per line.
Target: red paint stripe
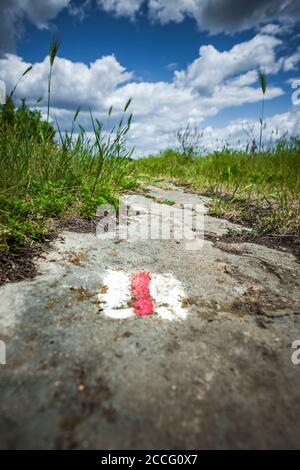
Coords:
pixel 140 291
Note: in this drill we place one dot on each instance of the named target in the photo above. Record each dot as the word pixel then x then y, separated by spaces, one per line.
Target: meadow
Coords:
pixel 261 190
pixel 47 174
pixel 41 179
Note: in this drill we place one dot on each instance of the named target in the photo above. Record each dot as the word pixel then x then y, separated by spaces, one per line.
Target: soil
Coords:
pixel 19 266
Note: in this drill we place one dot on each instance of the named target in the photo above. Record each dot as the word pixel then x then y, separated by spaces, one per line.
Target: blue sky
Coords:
pixel 141 45
pixel 150 51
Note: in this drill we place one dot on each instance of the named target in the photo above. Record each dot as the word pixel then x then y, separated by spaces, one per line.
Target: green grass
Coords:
pixel 262 190
pixel 41 179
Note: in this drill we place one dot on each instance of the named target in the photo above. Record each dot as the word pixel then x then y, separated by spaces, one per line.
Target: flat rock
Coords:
pixel 221 378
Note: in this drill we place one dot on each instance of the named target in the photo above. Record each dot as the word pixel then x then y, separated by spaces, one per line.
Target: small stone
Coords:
pixel 81 388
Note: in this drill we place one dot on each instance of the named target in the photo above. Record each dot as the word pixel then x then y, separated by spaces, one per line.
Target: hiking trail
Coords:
pixel 144 344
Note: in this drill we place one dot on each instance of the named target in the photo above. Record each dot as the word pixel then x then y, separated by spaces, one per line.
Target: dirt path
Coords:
pixel 210 369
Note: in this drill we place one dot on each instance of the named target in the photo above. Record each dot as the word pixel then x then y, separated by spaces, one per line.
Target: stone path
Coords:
pixel 218 376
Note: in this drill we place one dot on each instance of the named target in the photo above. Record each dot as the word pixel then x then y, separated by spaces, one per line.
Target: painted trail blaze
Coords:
pixel 142 303
pixel 124 295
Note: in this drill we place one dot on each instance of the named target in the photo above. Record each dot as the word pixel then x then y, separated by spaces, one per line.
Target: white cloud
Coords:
pixel 121 7
pixel 214 81
pixel 214 16
pixel 240 132
pixel 290 63
pixel 273 29
pixel 213 67
pixel 12 13
pixel 230 15
pixel 80 11
pixel 73 83
pixel 172 66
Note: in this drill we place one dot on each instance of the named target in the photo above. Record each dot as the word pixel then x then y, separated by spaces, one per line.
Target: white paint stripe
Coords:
pixel 117 298
pixel 166 291
pixel 168 295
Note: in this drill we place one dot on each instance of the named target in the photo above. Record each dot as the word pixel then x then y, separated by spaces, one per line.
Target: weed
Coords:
pixel 263 85
pixel 263 192
pixel 41 178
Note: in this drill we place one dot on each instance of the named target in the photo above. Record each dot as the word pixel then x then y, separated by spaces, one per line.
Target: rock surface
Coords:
pixel 222 378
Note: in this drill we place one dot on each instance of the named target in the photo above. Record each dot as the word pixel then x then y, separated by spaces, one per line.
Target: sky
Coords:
pixel 182 62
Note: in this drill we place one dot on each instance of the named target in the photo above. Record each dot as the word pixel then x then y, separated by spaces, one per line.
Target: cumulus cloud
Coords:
pixel 121 7
pixel 237 133
pixel 213 67
pixel 214 81
pixel 241 132
pixel 273 29
pixel 74 83
pixel 214 16
pixel 226 15
pixel 80 11
pixel 290 63
pixel 12 12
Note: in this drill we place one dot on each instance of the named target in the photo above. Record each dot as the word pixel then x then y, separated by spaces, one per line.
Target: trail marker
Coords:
pixel 143 294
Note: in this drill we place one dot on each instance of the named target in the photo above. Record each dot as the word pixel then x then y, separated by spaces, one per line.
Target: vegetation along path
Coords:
pixel 145 344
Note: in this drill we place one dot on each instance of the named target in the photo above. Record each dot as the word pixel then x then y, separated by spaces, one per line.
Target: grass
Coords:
pixel 261 190
pixel 259 186
pixel 43 179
